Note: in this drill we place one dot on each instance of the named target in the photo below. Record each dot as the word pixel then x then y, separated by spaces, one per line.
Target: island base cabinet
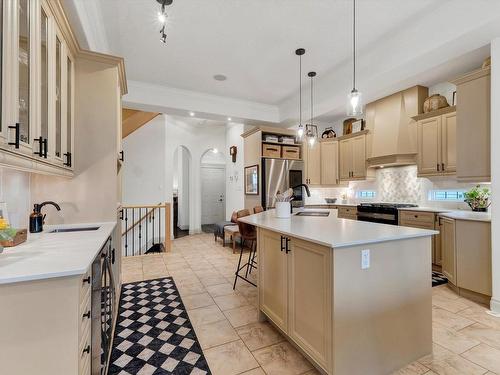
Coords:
pixel 310 299
pixel 345 319
pixel 273 278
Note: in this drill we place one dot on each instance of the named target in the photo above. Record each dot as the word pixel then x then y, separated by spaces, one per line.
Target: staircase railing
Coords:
pixel 146 229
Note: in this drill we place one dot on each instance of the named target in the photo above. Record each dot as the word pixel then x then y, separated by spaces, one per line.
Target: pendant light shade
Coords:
pixel 300 131
pixel 354 105
pixel 311 129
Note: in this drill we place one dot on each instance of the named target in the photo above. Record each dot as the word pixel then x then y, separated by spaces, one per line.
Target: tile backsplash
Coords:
pixel 395 185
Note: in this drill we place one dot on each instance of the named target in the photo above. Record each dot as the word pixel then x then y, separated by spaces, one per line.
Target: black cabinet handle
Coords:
pixel 17 135
pixel 438 167
pixel 68 159
pixel 113 256
pixel 87 315
pixel 86 350
pixel 287 249
pixel 282 247
pixel 442 167
pixel 45 148
pixel 122 156
pixel 86 280
pixel 40 146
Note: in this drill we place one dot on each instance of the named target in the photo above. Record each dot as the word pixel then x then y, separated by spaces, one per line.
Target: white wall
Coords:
pixel 144 167
pixel 495 171
pixel 235 196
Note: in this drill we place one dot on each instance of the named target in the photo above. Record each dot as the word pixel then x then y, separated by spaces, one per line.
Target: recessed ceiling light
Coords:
pixel 215 150
pixel 191 114
pixel 229 119
pixel 220 77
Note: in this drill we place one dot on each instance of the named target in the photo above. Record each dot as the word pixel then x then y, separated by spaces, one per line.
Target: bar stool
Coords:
pixel 247 233
pixel 258 209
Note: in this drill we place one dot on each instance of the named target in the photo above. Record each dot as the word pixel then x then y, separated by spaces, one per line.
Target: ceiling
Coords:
pixel 253 44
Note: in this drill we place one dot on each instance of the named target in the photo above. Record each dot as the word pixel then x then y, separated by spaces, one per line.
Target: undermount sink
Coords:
pixel 313 213
pixel 82 229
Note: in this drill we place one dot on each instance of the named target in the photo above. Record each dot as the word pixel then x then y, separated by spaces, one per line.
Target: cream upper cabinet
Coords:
pixel 312 158
pixel 38 71
pixel 330 163
pixel 473 126
pixel 352 158
pixel 448 249
pixel 437 145
pixel 273 292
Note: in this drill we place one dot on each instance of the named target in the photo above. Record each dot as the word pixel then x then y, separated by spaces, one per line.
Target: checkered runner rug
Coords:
pixel 153 333
pixel 438 279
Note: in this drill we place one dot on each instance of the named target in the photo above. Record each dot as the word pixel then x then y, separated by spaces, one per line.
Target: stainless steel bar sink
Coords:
pixel 313 213
pixel 81 229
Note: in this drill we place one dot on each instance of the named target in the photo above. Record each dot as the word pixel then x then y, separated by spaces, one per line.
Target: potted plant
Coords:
pixel 478 198
pixel 6 233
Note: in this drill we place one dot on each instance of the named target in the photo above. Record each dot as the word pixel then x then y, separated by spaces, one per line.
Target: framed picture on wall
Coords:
pixel 252 180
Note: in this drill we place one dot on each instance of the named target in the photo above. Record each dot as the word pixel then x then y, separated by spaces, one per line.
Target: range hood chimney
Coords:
pixel 392 136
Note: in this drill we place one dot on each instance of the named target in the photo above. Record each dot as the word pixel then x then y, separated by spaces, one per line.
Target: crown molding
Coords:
pixel 61 18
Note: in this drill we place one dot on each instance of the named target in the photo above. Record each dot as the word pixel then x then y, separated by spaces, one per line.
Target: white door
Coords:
pixel 213 191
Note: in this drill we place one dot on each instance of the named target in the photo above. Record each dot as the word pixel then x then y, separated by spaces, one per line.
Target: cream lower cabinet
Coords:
pixel 289 269
pixel 466 249
pixel 437 145
pixel 448 249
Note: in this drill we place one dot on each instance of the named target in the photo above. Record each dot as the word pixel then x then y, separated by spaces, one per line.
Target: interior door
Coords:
pixel 329 163
pixel 449 142
pixel 358 156
pixel 213 194
pixel 429 145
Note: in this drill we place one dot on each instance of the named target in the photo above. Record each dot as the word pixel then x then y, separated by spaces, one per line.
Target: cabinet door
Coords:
pixel 69 127
pixel 329 163
pixel 273 299
pixel 429 146
pixel 449 142
pixel 56 139
pixel 359 157
pixel 437 256
pixel 310 314
pixel 448 249
pixel 345 159
pixel 313 163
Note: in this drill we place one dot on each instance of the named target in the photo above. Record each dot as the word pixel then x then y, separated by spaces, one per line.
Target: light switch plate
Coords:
pixel 365 259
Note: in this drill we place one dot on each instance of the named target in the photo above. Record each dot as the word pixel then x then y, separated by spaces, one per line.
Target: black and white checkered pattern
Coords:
pixel 153 333
pixel 438 279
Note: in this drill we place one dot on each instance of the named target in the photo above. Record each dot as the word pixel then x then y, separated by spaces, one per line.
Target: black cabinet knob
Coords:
pixel 86 350
pixel 86 280
pixel 87 315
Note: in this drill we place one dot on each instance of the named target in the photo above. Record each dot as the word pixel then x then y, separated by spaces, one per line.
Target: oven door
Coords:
pixel 375 217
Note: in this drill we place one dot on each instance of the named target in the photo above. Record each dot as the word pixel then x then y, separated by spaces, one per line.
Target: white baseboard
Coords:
pixel 495 308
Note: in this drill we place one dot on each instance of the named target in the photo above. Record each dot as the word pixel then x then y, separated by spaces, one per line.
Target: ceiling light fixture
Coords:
pixel 162 17
pixel 215 151
pixel 354 98
pixel 229 119
pixel 300 131
pixel 311 129
pixel 220 77
pixel 191 114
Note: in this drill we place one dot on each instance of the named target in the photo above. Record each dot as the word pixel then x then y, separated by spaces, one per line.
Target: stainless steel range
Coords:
pixel 384 213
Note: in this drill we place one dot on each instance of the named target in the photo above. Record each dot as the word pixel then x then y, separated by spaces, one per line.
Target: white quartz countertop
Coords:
pixel 331 231
pixel 47 255
pixel 467 215
pixel 425 209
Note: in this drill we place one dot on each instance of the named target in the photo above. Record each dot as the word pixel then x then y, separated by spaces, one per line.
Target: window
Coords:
pixel 366 194
pixel 447 195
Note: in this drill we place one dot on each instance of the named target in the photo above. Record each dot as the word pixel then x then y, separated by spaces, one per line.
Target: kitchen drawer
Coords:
pixel 85 319
pixel 347 213
pixel 85 366
pixel 425 220
pixel 84 360
pixel 86 283
pixel 290 152
pixel 271 151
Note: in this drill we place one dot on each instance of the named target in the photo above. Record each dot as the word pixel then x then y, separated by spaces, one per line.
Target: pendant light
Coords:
pixel 311 129
pixel 300 131
pixel 354 98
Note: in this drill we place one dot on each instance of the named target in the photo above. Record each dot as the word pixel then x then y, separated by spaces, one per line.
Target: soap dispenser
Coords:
pixel 36 217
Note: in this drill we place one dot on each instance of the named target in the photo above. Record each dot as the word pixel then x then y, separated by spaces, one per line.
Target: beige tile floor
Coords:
pixel 466 339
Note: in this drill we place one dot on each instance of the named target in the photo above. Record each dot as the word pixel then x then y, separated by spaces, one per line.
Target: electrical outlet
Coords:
pixel 365 259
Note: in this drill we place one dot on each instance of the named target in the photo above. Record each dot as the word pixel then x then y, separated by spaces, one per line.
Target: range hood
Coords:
pixel 392 136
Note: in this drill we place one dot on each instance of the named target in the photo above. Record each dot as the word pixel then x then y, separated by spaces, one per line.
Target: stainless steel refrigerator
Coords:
pixel 278 175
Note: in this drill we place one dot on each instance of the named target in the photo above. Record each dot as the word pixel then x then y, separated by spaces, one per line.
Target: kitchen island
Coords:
pixel 354 297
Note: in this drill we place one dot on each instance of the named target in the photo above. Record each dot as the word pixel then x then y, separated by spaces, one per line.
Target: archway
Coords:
pixel 181 191
pixel 213 188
